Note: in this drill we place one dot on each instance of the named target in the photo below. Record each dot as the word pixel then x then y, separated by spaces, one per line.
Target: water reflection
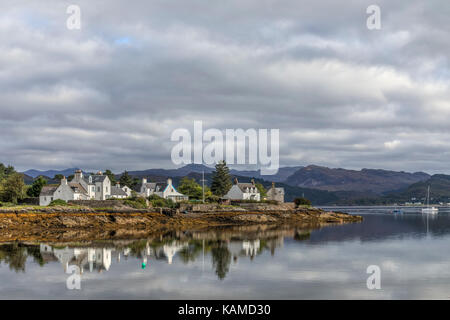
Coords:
pixel 260 262
pixel 186 247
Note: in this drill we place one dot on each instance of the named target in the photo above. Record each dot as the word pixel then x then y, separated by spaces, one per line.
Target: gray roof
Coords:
pixel 95 178
pixel 277 190
pixel 243 186
pixel 48 190
pixel 156 186
pixel 116 191
pixel 77 187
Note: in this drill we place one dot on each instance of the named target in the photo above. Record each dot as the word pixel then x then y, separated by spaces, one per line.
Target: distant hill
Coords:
pixel 439 190
pixel 50 173
pixel 366 180
pixel 180 172
pixel 281 176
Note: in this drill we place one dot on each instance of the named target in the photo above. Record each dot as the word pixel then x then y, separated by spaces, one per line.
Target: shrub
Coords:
pixel 137 203
pixel 302 202
pixel 58 202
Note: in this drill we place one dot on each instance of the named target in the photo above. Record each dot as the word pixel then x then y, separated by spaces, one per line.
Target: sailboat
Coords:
pixel 428 209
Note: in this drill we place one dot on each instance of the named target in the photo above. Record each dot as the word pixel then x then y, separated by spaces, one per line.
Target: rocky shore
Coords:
pixel 79 223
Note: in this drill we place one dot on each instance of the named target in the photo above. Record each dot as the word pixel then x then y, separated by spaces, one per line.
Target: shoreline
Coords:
pixel 59 224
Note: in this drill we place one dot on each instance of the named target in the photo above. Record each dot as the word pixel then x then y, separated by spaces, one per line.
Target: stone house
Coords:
pixel 276 194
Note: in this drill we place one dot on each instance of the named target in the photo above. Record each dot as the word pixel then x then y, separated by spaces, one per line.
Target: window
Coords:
pixel 98 189
pixel 93 189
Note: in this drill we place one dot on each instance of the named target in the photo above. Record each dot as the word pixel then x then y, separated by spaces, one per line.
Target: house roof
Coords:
pixel 48 190
pixel 156 186
pixel 244 186
pixel 276 190
pixel 116 191
pixel 77 187
pixel 95 178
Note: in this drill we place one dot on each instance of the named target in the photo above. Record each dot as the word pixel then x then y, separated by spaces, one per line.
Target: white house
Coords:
pixel 93 187
pixel 161 189
pixel 96 186
pixel 119 193
pixel 243 191
pixel 63 192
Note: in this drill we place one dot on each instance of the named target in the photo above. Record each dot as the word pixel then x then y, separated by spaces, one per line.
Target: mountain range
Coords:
pixel 322 185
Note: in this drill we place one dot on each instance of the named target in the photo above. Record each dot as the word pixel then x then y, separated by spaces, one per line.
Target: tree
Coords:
pixel 221 180
pixel 261 190
pixel 111 176
pixel 190 188
pixel 12 188
pixel 6 171
pixel 58 177
pixel 36 187
pixel 302 202
pixel 126 180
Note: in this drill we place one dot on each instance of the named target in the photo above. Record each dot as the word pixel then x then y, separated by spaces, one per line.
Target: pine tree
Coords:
pixel 111 176
pixel 221 180
pixel 126 180
pixel 35 189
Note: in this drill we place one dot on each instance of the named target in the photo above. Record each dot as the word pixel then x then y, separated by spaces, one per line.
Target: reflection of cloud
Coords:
pixel 409 270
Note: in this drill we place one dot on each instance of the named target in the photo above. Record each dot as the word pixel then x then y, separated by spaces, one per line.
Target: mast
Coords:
pixel 203 186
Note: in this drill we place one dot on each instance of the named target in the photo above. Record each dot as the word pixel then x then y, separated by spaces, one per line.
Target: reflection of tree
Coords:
pixel 301 235
pixel 191 252
pixel 35 252
pixel 221 258
pixel 137 247
pixel 14 255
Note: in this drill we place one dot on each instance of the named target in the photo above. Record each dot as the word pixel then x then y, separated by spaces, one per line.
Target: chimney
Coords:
pixel 118 184
pixel 169 181
pixel 64 180
pixel 144 180
pixel 78 175
pixel 236 181
pixel 100 173
pixel 273 185
pixel 253 182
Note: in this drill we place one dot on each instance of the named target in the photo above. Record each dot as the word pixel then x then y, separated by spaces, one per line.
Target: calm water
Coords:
pixel 248 263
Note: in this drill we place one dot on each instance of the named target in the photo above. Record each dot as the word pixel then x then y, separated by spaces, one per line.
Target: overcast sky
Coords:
pixel 110 95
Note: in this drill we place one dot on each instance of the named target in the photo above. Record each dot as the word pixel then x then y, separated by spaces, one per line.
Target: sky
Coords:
pixel 110 94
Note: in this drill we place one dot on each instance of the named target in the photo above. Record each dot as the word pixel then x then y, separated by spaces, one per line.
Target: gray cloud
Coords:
pixel 110 94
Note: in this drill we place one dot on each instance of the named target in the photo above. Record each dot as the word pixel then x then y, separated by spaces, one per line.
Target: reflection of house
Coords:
pixel 276 194
pixel 243 191
pixel 89 258
pixel 161 189
pixel 169 250
pixel 247 247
